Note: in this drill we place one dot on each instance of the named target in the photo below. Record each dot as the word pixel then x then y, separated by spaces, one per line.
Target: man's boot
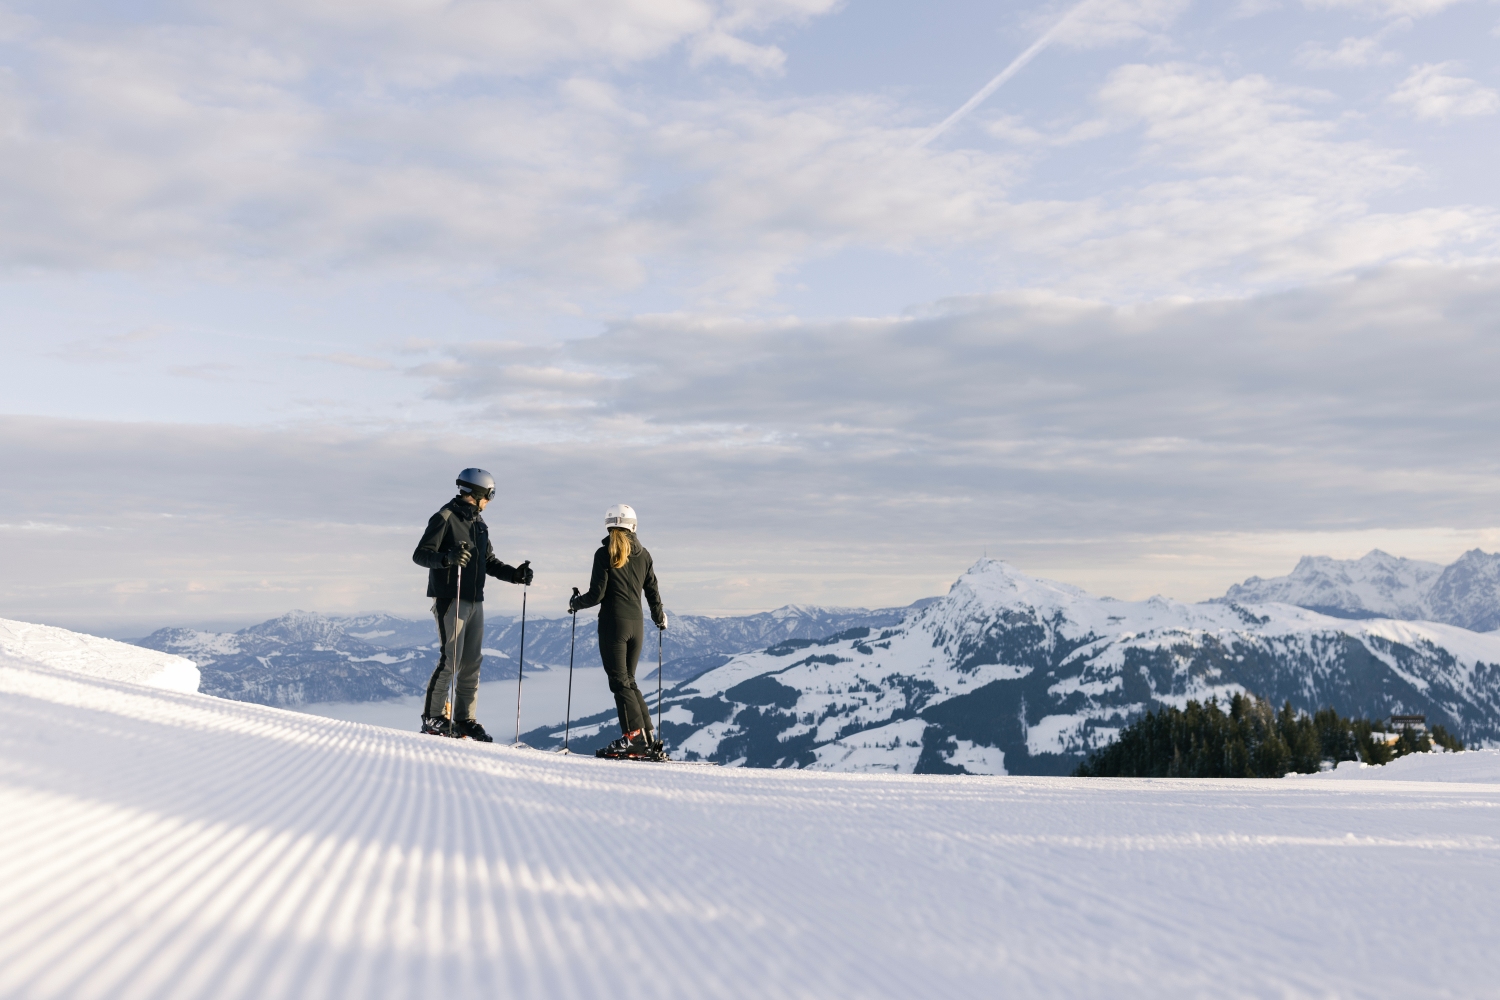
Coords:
pixel 473 730
pixel 436 725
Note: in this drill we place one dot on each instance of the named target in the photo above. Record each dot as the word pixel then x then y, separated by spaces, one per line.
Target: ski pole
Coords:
pixel 572 640
pixel 659 737
pixel 521 666
pixel 458 592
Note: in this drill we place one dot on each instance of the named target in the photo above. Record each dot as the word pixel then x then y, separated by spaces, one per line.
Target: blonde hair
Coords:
pixel 621 547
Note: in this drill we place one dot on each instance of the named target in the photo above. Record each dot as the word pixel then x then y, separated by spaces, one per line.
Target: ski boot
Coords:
pixel 471 729
pixel 437 725
pixel 627 747
pixel 636 746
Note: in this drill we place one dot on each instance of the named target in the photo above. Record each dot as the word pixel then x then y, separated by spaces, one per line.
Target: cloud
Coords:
pixel 1136 402
pixel 767 59
pixel 1251 175
pixel 1432 94
pixel 1027 377
pixel 873 457
pixel 1386 8
pixel 115 349
pixel 1248 125
pixel 351 361
pixel 209 371
pixel 206 146
pixel 724 40
pixel 1351 53
pixel 427 45
pixel 1100 23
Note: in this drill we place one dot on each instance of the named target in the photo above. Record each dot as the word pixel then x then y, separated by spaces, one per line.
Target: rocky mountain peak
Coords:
pixel 1468 592
pixel 1377 584
pixel 298 627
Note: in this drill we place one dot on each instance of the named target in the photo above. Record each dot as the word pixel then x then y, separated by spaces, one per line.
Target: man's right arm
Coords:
pixel 428 554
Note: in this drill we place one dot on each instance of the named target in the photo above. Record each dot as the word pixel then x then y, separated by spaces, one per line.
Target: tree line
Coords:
pixel 1250 740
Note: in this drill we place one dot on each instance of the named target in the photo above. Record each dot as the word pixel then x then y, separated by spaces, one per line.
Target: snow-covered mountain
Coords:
pixel 1468 592
pixel 693 643
pixel 1377 585
pixel 1380 585
pixel 304 657
pixel 1010 674
pixel 298 658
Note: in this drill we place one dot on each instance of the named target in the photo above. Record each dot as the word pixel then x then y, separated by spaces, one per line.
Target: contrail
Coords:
pixel 1005 74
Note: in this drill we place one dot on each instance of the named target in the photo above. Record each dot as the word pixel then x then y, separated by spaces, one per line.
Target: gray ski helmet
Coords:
pixel 477 482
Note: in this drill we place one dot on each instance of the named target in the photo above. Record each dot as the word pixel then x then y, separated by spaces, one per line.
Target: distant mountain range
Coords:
pixel 304 657
pixel 1380 585
pixel 1005 674
pixel 1010 674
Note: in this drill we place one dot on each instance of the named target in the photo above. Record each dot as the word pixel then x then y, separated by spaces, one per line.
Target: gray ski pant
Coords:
pixel 470 645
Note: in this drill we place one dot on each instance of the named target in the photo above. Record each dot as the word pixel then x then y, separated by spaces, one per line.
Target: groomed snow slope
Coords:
pixel 157 844
pixel 23 642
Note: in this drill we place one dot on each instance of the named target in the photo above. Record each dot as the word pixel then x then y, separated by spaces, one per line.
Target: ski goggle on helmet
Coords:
pixel 476 483
pixel 621 515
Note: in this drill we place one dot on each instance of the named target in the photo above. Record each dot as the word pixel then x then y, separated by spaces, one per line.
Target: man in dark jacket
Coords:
pixel 455 535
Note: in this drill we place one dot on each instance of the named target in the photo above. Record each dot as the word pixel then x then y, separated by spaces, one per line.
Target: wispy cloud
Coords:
pixel 119 348
pixel 1350 53
pixel 1433 93
pixel 205 150
pixel 1387 8
pixel 352 361
pixel 210 371
pixel 1088 24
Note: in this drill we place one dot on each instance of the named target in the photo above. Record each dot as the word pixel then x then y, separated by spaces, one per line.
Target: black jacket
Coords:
pixel 618 591
pixel 459 521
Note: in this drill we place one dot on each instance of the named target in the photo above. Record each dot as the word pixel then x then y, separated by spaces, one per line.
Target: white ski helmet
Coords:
pixel 621 515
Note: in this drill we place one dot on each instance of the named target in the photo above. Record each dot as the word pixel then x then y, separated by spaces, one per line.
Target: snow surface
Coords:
pixel 23 642
pixel 1482 766
pixel 160 844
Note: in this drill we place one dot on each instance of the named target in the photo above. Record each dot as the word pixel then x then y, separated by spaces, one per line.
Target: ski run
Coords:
pixel 159 843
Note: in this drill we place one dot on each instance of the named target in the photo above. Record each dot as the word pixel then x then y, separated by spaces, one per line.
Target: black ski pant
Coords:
pixel 470 623
pixel 620 649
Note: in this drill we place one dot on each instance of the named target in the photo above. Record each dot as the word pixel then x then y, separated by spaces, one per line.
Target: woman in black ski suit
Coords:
pixel 622 570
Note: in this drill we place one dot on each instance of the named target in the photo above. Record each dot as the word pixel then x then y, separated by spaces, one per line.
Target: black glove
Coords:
pixel 663 623
pixel 573 602
pixel 459 558
pixel 522 574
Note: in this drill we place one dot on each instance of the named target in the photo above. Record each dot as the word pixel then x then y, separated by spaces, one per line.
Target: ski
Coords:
pixel 655 753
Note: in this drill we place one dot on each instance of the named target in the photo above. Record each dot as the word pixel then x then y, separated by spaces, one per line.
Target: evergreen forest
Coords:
pixel 1251 740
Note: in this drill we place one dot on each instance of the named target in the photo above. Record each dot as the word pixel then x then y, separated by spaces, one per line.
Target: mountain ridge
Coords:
pixel 1379 585
pixel 304 657
pixel 1013 674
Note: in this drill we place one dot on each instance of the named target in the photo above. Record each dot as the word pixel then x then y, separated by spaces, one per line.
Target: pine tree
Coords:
pixel 1251 740
pixel 1445 739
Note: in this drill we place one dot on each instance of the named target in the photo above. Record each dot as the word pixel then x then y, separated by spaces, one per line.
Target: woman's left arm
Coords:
pixel 653 596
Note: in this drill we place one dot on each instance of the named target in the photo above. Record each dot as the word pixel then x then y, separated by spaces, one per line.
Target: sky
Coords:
pixel 1191 291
